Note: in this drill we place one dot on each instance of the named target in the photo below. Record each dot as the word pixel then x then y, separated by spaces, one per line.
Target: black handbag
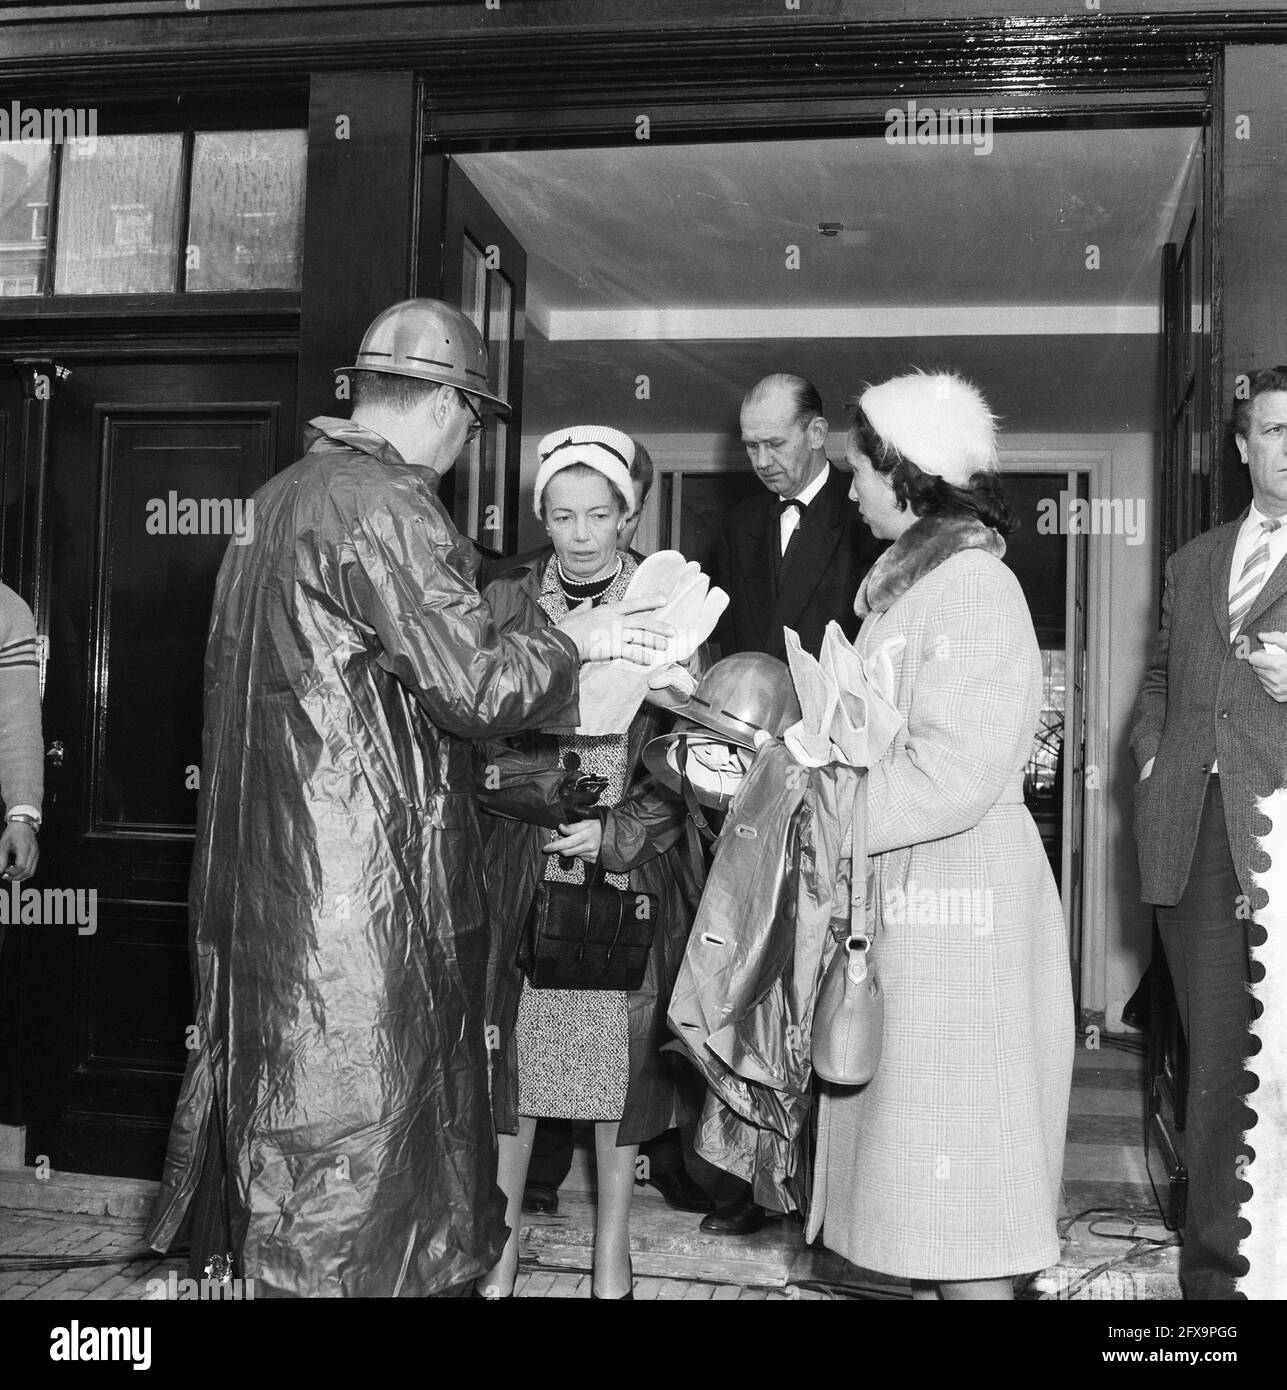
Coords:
pixel 588 936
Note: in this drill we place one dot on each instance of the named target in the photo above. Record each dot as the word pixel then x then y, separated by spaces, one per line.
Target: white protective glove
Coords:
pixel 847 710
pixel 612 691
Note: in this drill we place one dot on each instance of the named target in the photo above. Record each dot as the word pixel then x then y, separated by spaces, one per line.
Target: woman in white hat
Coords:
pixel 581 1054
pixel 945 1169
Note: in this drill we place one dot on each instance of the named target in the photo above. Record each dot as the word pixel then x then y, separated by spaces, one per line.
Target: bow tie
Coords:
pixel 787 503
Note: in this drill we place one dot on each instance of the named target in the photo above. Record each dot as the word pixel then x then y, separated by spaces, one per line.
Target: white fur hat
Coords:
pixel 606 450
pixel 938 421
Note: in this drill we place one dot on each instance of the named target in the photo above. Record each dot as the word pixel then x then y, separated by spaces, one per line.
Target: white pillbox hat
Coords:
pixel 606 450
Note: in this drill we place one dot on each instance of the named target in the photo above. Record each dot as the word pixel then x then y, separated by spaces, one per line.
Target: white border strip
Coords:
pixel 849 321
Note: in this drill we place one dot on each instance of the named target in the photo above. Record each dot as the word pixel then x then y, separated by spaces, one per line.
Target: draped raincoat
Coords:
pixel 647 835
pixel 337 903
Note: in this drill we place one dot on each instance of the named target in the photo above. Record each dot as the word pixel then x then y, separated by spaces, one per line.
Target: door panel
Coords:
pixel 147 463
pixel 1189 507
pixel 483 269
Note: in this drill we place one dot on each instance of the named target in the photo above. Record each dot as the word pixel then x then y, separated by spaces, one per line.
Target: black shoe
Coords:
pixel 682 1193
pixel 540 1198
pixel 740 1218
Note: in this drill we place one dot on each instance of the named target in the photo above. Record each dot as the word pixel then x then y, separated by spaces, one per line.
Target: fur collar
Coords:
pixel 921 548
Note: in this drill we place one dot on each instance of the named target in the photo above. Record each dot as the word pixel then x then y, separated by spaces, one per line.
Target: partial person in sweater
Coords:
pixel 22 769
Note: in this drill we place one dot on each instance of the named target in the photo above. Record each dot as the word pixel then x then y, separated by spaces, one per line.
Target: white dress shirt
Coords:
pixel 1249 537
pixel 791 518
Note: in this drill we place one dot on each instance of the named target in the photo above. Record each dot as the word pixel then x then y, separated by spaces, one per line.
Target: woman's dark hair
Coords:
pixel 927 494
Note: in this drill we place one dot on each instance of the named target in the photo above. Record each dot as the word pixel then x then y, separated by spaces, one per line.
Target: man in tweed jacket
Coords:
pixel 1209 735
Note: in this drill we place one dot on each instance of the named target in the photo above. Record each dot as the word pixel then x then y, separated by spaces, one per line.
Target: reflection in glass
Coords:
pixel 247 210
pixel 469 471
pixel 500 327
pixel 118 215
pixel 24 216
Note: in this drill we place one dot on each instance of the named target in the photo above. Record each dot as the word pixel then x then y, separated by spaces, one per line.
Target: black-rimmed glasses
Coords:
pixel 479 424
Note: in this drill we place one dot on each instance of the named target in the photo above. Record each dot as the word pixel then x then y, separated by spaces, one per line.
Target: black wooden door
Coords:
pixel 148 461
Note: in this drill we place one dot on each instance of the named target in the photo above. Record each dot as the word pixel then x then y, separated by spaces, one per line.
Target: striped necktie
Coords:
pixel 1252 579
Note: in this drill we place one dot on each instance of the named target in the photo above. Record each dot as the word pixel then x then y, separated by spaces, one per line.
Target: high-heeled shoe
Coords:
pixel 623 1298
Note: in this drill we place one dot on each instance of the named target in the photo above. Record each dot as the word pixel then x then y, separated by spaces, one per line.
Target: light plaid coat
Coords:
pixel 947 1165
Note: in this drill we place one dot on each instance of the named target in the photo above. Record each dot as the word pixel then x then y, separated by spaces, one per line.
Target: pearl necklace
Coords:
pixel 566 579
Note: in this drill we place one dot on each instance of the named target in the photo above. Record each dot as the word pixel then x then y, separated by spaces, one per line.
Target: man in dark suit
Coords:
pixel 794 556
pixel 1209 735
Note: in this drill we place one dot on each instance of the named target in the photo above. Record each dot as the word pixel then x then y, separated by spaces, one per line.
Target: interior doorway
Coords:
pixel 663 281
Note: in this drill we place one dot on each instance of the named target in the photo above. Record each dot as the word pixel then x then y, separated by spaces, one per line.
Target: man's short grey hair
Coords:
pixel 388 391
pixel 808 400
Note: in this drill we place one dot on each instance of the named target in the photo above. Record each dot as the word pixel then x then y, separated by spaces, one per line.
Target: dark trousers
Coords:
pixel 551 1159
pixel 1207 950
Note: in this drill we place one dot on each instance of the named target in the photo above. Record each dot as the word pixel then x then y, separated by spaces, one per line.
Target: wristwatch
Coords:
pixel 27 816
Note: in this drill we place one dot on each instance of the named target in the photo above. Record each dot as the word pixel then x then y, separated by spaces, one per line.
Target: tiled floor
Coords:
pixel 1105 1256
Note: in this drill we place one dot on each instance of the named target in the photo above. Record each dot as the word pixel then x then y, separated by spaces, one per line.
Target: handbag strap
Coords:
pixel 858 865
pixel 594 879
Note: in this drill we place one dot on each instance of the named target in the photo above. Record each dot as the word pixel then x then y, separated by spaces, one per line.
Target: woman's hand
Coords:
pixel 579 840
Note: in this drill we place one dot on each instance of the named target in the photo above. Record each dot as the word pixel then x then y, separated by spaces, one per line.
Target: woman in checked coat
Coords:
pixel 945 1169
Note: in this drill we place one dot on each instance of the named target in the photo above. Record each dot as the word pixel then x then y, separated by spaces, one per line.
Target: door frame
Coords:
pixel 747 84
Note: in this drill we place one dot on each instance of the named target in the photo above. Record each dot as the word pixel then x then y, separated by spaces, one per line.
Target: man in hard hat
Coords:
pixel 333 1136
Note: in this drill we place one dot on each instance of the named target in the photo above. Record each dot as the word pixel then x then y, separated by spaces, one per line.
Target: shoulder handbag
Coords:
pixel 849 1016
pixel 588 936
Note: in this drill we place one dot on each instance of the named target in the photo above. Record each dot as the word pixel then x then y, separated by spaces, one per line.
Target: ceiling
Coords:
pixel 672 262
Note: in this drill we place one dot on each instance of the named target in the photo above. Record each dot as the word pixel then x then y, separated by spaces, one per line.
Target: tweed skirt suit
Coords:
pixel 947 1165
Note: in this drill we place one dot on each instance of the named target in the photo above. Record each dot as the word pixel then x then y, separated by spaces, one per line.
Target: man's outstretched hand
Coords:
pixel 623 630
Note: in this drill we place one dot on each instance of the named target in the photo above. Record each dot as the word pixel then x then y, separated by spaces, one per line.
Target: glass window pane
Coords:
pixel 500 329
pixel 247 210
pixel 24 215
pixel 118 215
pixel 473 283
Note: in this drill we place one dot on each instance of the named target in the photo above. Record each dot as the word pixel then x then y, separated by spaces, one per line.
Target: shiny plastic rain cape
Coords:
pixel 338 914
pixel 743 1002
